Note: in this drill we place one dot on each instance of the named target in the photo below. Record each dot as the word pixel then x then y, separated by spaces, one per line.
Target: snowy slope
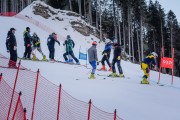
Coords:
pixel 132 100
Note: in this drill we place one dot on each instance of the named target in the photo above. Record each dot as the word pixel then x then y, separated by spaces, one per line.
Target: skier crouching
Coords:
pixel 150 59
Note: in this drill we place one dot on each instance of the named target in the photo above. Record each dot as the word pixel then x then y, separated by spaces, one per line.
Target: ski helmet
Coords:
pixel 94 43
pixel 154 54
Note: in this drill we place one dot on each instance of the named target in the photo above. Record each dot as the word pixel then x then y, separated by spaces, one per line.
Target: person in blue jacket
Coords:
pixel 27 43
pixel 106 55
pixel 51 43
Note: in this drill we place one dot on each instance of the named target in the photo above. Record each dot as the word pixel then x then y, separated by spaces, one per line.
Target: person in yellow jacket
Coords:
pixel 149 60
pixel 36 45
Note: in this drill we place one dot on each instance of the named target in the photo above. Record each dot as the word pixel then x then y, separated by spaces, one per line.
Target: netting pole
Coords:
pixel 59 101
pixel 17 103
pixel 24 113
pixel 115 114
pixel 14 89
pixel 89 110
pixel 0 77
pixel 172 66
pixel 35 91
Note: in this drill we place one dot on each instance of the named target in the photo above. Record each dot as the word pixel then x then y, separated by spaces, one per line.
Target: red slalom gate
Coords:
pixel 167 63
pixel 44 101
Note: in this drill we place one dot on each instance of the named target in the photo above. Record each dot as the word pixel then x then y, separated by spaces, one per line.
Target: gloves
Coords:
pixel 8 51
pixel 37 43
pixel 59 43
pixel 15 48
pixel 28 45
pixel 98 63
pixel 119 58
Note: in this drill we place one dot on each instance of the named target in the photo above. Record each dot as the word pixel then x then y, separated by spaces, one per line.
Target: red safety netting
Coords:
pixel 8 14
pixel 41 98
pixel 5 98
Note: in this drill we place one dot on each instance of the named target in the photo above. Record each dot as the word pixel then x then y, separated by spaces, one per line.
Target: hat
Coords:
pixel 27 28
pixel 68 36
pixel 12 29
pixel 94 43
pixel 53 33
pixel 34 34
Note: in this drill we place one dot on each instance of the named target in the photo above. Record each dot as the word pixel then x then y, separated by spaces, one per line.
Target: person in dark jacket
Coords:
pixel 92 56
pixel 36 45
pixel 149 60
pixel 27 44
pixel 11 46
pixel 69 43
pixel 51 43
pixel 117 59
pixel 106 55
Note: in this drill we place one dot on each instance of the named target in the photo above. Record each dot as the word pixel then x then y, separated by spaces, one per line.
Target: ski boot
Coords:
pixel 144 81
pixel 44 58
pixel 121 75
pixel 34 57
pixel 110 69
pixel 78 63
pixel 113 75
pixel 103 68
pixel 92 76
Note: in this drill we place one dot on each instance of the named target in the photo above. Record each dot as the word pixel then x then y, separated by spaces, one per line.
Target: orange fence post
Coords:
pixel 115 114
pixel 35 91
pixel 14 89
pixel 17 103
pixel 59 100
pixel 24 113
pixel 89 110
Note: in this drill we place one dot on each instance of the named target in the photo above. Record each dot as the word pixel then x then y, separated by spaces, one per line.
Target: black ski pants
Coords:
pixel 115 60
pixel 106 58
pixel 51 52
pixel 13 54
pixel 72 55
pixel 27 53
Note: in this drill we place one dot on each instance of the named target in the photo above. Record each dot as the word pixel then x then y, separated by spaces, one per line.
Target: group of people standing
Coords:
pixel 32 43
pixel 93 59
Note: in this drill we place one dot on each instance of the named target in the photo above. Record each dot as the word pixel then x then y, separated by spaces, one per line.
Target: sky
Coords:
pixel 132 100
pixel 171 5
